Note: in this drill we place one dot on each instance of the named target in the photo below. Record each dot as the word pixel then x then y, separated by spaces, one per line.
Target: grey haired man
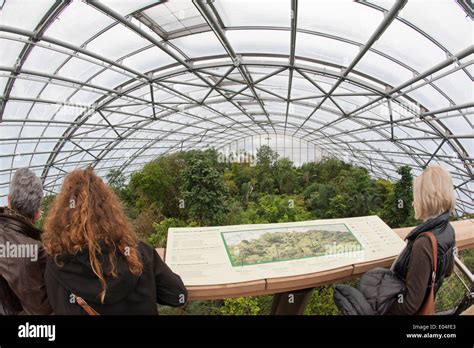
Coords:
pixel 22 258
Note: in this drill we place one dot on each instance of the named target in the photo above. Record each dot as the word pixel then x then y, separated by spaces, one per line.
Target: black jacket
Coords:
pixel 379 288
pixel 445 237
pixel 22 288
pixel 126 294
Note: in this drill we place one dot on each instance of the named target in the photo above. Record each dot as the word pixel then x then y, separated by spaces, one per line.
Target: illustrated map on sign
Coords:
pixel 233 254
pixel 277 244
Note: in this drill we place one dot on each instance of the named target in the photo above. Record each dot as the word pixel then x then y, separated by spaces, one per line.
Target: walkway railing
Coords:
pixel 299 288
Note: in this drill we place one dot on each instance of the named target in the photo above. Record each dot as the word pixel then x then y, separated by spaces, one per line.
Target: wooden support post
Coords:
pixel 291 303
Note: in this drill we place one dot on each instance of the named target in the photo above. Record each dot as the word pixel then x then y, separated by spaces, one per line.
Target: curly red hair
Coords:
pixel 87 214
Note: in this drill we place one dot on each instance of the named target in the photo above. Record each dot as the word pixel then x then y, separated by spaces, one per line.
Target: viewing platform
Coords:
pixel 464 240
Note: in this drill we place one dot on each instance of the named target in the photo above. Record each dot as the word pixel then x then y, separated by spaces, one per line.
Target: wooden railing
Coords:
pixel 464 240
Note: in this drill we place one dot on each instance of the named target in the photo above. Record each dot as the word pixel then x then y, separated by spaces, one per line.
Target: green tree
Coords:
pixel 240 306
pixel 144 220
pixel 203 189
pixel 116 179
pixel 160 236
pixel 45 206
pixel 356 186
pixel 338 207
pixel 322 300
pixel 240 180
pixel 274 208
pixel 398 209
pixel 285 175
pixel 266 159
pixel 326 170
pixel 317 198
pixel 158 183
pixel 382 190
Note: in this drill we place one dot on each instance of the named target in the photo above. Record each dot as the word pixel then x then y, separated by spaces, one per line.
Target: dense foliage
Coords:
pixel 197 188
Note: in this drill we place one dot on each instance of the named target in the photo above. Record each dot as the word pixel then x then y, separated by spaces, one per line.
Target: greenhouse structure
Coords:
pixel 113 84
pixel 375 90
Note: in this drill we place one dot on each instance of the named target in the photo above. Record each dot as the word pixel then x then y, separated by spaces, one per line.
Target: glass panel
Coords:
pixel 68 112
pixel 46 146
pixel 78 23
pixel 31 130
pixel 254 13
pixel 383 69
pixel 275 107
pixel 199 45
pixel 301 87
pixel 21 161
pixel 324 116
pixel 55 131
pixel 85 97
pixel 3 82
pixel 175 15
pixel 468 145
pixel 429 97
pixel 16 110
pixel 54 92
pixel 43 111
pixel 410 47
pixel 149 59
pixel 300 110
pixel 13 13
pixel 79 69
pixel 457 86
pixel 325 82
pixel 125 7
pixel 443 20
pixel 26 88
pixel 39 55
pixel 110 79
pixel 277 84
pixel 349 103
pixel 259 41
pixel 108 45
pixel 356 21
pixel 343 18
pixel 470 68
pixel 39 159
pixel 385 4
pixel 324 49
pixel 9 52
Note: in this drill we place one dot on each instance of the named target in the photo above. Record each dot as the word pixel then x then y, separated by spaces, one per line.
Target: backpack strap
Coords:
pixel 434 246
pixel 85 306
pixel 428 306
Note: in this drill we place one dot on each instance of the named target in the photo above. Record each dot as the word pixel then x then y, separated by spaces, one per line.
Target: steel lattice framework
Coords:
pixel 113 84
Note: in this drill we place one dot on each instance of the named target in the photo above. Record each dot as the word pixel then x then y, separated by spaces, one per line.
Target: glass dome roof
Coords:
pixel 115 83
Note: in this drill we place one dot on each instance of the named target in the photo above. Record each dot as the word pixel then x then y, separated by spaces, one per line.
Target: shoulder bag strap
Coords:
pixel 428 306
pixel 85 306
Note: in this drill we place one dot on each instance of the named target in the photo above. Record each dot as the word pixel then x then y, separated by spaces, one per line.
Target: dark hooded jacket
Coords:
pixel 127 294
pixel 380 288
pixel 22 288
pixel 444 234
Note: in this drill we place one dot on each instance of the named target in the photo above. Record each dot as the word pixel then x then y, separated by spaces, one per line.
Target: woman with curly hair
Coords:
pixel 96 265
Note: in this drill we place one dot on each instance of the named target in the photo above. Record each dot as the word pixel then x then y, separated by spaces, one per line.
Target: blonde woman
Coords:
pixel 433 201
